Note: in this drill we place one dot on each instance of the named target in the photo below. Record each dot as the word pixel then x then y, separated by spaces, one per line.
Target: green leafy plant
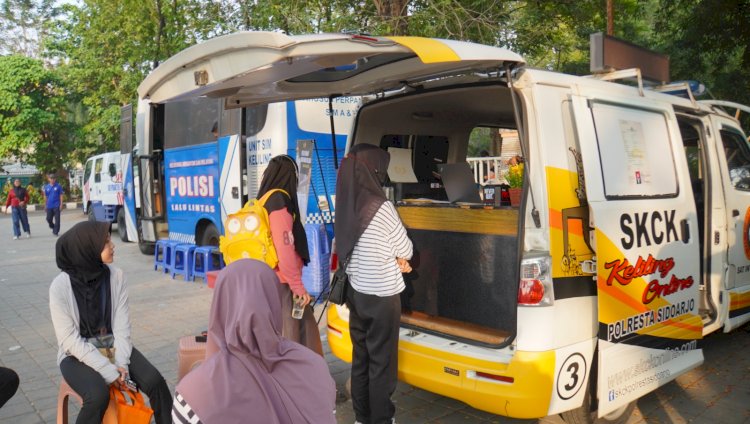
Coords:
pixel 515 176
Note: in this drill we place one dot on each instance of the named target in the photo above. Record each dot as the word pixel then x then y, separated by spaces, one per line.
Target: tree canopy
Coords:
pixel 96 52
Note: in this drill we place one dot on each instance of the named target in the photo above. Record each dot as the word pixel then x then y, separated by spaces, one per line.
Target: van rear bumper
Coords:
pixel 455 376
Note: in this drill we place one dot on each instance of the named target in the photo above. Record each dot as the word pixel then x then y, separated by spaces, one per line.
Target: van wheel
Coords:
pixel 91 215
pixel 210 236
pixel 122 228
pixel 584 414
pixel 147 248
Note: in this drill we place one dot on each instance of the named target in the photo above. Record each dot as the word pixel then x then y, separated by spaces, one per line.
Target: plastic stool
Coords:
pixel 189 356
pixel 203 260
pixel 66 392
pixel 182 261
pixel 163 253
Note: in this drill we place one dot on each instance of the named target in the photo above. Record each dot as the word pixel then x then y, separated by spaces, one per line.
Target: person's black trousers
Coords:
pixel 54 224
pixel 90 385
pixel 8 384
pixel 374 326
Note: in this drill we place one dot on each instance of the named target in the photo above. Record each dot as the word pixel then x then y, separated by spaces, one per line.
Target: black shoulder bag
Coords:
pixel 339 282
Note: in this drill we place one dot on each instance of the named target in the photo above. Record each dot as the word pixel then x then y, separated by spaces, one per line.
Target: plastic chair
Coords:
pixel 66 392
pixel 203 261
pixel 182 261
pixel 163 253
pixel 190 355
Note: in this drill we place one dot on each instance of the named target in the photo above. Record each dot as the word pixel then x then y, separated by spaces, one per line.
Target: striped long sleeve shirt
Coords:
pixel 372 267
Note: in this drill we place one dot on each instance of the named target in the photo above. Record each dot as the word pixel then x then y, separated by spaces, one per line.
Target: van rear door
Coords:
pixel 262 67
pixel 646 241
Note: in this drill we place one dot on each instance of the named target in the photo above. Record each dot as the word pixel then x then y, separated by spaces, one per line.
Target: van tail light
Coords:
pixel 334 256
pixel 535 286
pixel 334 262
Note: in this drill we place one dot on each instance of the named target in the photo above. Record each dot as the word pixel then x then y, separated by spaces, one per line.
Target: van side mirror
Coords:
pixel 112 170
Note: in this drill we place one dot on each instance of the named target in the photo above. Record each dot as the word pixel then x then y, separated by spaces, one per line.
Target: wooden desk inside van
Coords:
pixel 477 220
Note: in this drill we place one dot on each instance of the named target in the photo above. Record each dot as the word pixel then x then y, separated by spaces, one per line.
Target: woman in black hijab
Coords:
pixel 290 242
pixel 372 243
pixel 90 313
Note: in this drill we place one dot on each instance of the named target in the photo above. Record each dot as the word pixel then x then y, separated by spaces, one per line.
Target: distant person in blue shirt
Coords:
pixel 53 198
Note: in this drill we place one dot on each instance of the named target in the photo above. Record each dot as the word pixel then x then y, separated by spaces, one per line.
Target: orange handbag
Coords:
pixel 127 410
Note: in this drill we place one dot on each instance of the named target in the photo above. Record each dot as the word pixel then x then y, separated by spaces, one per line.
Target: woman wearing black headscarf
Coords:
pixel 372 242
pixel 89 307
pixel 290 242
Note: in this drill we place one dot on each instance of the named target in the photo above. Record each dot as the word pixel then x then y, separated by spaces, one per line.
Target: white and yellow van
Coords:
pixel 630 244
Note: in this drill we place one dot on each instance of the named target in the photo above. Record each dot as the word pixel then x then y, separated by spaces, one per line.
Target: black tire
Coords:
pixel 146 247
pixel 585 415
pixel 90 213
pixel 122 228
pixel 210 236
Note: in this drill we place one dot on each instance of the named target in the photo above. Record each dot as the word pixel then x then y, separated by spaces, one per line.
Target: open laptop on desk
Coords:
pixel 459 183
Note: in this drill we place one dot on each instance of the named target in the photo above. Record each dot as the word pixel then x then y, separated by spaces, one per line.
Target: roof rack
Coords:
pixel 684 89
pixel 621 74
pixel 738 107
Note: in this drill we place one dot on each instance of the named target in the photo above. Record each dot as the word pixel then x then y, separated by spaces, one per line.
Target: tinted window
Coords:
pixel 98 170
pixel 87 171
pixel 255 119
pixel 191 122
pixel 738 159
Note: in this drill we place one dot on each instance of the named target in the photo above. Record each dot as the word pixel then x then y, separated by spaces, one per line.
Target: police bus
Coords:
pixel 194 161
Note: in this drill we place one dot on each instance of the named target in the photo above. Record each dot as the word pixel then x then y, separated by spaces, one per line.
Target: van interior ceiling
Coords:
pixel 465 284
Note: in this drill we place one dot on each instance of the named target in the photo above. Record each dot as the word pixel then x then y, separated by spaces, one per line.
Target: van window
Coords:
pixel 98 170
pixel 738 159
pixel 191 122
pixel 635 152
pixel 87 171
pixel 255 119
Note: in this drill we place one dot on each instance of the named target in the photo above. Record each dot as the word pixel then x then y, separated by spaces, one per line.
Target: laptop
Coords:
pixel 459 183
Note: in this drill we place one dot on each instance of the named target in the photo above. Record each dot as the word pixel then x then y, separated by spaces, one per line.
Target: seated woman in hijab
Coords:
pixel 88 302
pixel 251 373
pixel 290 242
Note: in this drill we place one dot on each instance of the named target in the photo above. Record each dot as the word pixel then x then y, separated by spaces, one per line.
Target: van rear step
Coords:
pixel 449 327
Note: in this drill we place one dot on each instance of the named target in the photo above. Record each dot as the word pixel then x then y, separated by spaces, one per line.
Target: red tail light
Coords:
pixel 502 378
pixel 530 292
pixel 334 262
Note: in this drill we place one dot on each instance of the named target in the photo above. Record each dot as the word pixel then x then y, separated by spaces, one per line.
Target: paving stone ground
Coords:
pixel 162 310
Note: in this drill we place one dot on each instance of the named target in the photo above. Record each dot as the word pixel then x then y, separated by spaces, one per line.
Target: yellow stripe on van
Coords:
pixel 739 300
pixel 429 50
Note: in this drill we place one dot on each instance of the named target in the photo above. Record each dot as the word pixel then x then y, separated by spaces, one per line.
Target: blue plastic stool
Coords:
pixel 182 261
pixel 163 254
pixel 203 261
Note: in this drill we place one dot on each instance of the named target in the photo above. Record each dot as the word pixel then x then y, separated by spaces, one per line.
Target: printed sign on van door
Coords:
pixel 647 250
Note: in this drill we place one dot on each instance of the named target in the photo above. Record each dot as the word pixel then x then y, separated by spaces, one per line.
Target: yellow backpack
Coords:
pixel 248 233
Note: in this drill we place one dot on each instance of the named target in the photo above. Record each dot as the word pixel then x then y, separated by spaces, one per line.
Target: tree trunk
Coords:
pixel 394 12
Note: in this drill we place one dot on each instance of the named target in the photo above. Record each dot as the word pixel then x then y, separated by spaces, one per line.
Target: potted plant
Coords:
pixel 515 181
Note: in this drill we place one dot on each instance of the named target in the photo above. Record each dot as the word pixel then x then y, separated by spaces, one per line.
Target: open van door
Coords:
pixel 263 67
pixel 734 159
pixel 646 243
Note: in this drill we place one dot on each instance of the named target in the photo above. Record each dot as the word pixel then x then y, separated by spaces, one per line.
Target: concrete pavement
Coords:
pixel 162 310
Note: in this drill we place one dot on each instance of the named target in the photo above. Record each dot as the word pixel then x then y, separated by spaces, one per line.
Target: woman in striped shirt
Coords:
pixel 373 245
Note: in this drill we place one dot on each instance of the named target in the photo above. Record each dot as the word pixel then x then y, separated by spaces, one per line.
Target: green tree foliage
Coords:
pixel 34 126
pixel 708 40
pixel 23 25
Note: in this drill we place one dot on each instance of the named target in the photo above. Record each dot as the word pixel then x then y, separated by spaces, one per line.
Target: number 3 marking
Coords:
pixel 571 376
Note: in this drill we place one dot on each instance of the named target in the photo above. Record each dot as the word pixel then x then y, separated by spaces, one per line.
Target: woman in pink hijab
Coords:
pixel 252 374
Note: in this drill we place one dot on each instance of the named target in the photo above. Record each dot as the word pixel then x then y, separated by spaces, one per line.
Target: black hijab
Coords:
pixel 281 173
pixel 78 253
pixel 359 194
